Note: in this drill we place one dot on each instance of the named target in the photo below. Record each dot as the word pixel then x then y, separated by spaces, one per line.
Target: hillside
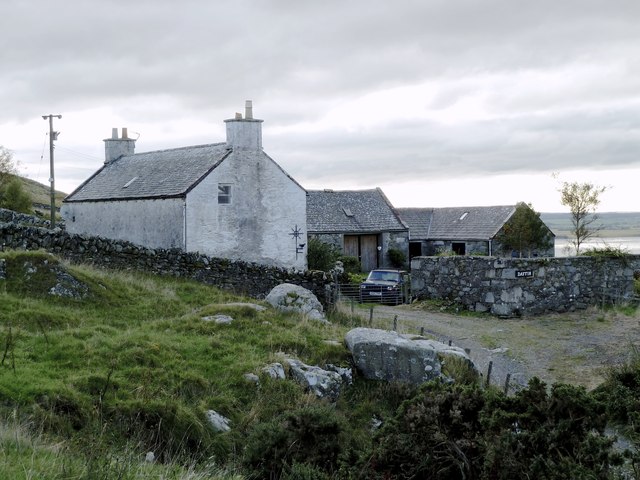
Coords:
pixel 113 375
pixel 614 224
pixel 41 194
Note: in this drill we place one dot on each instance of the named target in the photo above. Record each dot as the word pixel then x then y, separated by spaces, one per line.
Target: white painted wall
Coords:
pixel 266 206
pixel 154 223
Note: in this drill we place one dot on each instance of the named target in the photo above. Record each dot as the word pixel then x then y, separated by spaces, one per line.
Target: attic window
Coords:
pixel 129 182
pixel 224 194
pixel 347 212
pixel 462 217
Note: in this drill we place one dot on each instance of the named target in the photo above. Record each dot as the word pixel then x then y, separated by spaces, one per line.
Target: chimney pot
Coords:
pixel 238 116
pixel 248 110
pixel 125 134
pixel 114 133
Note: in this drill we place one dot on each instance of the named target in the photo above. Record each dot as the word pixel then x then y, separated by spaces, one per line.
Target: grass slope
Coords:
pixel 88 385
pixel 117 365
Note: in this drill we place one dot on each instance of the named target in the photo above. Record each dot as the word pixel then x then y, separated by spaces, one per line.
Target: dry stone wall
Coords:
pixel 511 287
pixel 21 232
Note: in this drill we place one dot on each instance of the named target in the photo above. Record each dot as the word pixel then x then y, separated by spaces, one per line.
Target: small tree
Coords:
pixel 524 231
pixel 583 200
pixel 7 165
pixel 320 255
pixel 14 197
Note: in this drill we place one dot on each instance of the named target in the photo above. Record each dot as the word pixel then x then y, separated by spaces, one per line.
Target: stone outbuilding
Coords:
pixel 361 223
pixel 228 200
pixel 462 230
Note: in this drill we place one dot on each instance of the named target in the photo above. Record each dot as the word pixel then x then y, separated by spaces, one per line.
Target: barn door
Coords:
pixel 351 246
pixel 368 252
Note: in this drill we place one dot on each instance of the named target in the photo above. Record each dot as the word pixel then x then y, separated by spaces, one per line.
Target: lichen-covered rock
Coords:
pixel 294 298
pixel 217 421
pixel 387 355
pixel 323 383
pixel 219 319
pixel 275 371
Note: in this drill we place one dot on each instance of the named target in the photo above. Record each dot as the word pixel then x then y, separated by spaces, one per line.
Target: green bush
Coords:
pixel 606 252
pixel 397 257
pixel 461 431
pixel 14 197
pixel 435 435
pixel 350 264
pixel 309 436
pixel 320 255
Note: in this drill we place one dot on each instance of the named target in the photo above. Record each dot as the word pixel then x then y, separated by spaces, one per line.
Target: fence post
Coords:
pixel 353 306
pixel 422 331
pixel 506 383
pixel 489 373
pixel 395 323
pixel 371 316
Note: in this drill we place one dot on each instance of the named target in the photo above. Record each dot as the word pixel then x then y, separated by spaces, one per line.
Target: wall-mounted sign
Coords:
pixel 524 273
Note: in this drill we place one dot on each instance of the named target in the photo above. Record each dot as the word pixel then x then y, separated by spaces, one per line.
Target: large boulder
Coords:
pixel 294 298
pixel 390 356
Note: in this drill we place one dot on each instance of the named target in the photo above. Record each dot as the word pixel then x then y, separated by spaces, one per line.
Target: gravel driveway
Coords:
pixel 576 348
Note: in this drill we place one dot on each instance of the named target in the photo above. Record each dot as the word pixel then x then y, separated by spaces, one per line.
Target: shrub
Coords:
pixel 14 197
pixel 434 435
pixel 351 264
pixel 397 257
pixel 309 435
pixel 606 252
pixel 320 255
pixel 462 431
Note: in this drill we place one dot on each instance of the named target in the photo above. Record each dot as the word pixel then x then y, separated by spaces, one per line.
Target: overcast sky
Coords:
pixel 439 103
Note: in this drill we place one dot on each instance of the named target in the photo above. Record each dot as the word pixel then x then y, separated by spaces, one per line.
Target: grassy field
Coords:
pixel 118 365
pixel 89 385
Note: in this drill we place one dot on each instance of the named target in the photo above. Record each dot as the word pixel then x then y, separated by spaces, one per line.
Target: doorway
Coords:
pixel 364 248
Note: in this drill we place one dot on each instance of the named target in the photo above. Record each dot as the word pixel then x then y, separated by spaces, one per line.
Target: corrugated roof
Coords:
pixel 351 211
pixel 159 174
pixel 456 223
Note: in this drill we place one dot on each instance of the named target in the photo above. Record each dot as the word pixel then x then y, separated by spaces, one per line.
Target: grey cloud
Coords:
pixel 151 60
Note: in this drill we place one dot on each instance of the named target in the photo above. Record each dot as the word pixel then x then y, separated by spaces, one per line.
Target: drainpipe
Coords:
pixel 490 244
pixel 184 224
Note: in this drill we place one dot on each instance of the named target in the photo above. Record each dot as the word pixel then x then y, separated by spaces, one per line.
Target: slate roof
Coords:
pixel 159 174
pixel 351 211
pixel 456 223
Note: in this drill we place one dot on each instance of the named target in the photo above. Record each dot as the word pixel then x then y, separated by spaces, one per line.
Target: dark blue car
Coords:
pixel 385 286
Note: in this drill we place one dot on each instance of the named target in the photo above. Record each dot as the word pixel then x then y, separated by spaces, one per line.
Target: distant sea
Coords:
pixel 627 244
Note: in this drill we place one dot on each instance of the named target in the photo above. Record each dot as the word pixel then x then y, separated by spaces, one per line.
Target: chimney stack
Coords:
pixel 115 148
pixel 244 133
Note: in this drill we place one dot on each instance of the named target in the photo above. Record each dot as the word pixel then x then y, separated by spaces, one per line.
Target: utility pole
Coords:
pixel 52 136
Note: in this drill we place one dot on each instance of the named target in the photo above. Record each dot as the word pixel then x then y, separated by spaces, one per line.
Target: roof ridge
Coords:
pixel 178 148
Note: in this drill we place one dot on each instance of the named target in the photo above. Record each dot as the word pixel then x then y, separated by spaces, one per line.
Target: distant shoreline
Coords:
pixel 625 233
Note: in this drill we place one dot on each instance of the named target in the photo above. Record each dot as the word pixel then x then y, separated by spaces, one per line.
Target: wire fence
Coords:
pixel 375 315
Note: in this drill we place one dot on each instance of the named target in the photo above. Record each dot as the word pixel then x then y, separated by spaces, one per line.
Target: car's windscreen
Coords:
pixel 384 276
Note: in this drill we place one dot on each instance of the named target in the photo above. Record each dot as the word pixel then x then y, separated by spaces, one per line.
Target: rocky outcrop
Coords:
pixel 218 422
pixel 294 298
pixel 322 383
pixel 386 355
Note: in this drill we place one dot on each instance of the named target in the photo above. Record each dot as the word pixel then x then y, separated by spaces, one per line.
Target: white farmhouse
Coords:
pixel 227 200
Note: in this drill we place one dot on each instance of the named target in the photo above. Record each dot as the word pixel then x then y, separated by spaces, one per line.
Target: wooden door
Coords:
pixel 351 246
pixel 368 252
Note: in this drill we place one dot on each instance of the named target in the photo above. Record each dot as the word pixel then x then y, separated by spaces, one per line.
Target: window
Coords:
pixel 224 194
